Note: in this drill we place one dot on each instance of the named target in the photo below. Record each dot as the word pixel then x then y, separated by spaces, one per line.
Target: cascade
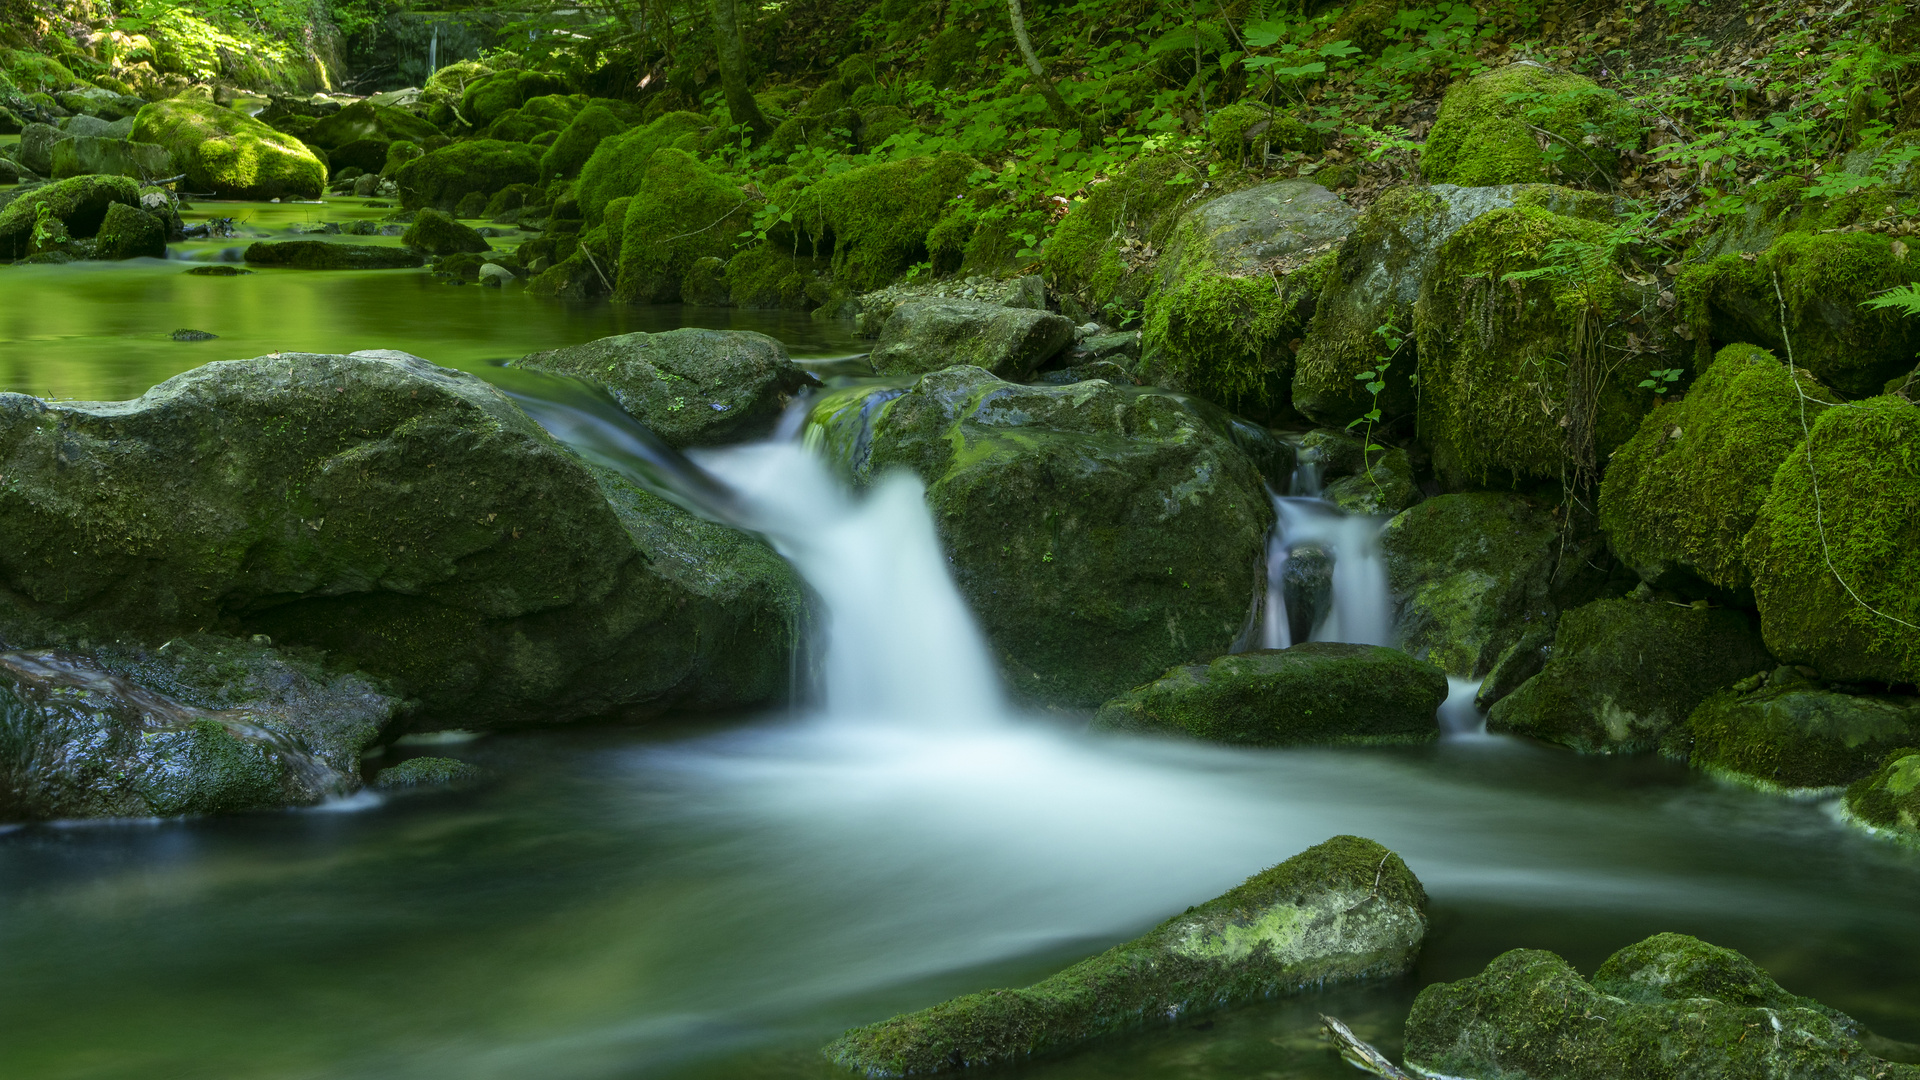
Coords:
pixel 1358 607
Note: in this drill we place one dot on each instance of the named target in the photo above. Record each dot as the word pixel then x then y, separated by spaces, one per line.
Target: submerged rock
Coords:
pixel 1888 800
pixel 325 255
pixel 1671 1006
pixel 428 772
pixel 1339 912
pixel 1103 535
pixel 1623 672
pixel 933 334
pixel 691 387
pixel 1791 734
pixel 1317 693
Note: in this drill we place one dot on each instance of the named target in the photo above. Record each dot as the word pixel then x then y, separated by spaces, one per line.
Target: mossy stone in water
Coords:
pixel 130 233
pixel 428 772
pixel 1623 672
pixel 1318 693
pixel 442 178
pixel 1486 130
pixel 683 212
pixel 1343 911
pixel 1794 735
pixel 1889 799
pixel 323 255
pixel 934 334
pixel 434 233
pixel 80 204
pixel 1838 574
pixel 231 154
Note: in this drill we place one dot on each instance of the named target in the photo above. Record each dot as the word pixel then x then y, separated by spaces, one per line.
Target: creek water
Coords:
pixel 716 899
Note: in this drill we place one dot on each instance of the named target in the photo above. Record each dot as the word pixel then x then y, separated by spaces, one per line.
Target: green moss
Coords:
pixel 948 55
pixel 1345 910
pixel 539 115
pixel 1683 492
pixel 1099 251
pixel 1823 277
pixel 428 772
pixel 1243 128
pixel 366 120
pixel 79 204
pixel 435 233
pixel 577 142
pixel 764 276
pixel 398 155
pixel 874 219
pixel 1837 576
pixel 1675 967
pixel 1793 736
pixel 1889 798
pixel 442 178
pixel 1486 131
pixel 35 72
pixel 489 97
pixel 128 232
pixel 616 167
pixel 231 154
pixel 682 213
pixel 1230 339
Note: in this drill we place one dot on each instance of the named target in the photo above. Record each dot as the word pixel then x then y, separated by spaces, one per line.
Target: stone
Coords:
pixel 1383 490
pixel 1287 221
pixel 219 270
pixel 441 178
pixel 1098 369
pixel 1491 128
pixel 12 172
pixel 36 147
pixel 93 126
pixel 690 387
pixel 366 121
pixel 1316 693
pixel 932 334
pixel 1793 735
pixel 230 154
pixel 1028 292
pixel 428 772
pixel 407 520
pixel 192 335
pixel 494 274
pixel 79 204
pixel 1623 672
pixel 1888 800
pixel 129 232
pixel 1102 535
pixel 434 233
pixel 1344 911
pixel 326 255
pixel 365 186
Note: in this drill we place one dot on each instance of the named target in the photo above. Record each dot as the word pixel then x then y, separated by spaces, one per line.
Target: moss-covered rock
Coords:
pixel 618 166
pixel 364 120
pixel 434 233
pixel 1623 672
pixel 1823 277
pixel 442 178
pixel 1888 800
pixel 130 233
pixel 491 96
pixel 1247 129
pixel 428 772
pixel 1491 127
pixel 768 276
pixel 538 116
pixel 325 255
pixel 1102 252
pixel 1679 497
pixel 932 334
pixel 1792 735
pixel 690 387
pixel 577 142
pixel 1671 1007
pixel 229 153
pixel 1318 693
pixel 682 213
pixel 1473 574
pixel 1383 486
pixel 407 519
pixel 875 218
pixel 1103 535
pixel 86 154
pixel 398 155
pixel 79 205
pixel 1342 911
pixel 1835 551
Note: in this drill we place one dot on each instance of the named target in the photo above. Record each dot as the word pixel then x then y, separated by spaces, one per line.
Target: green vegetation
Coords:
pixel 228 153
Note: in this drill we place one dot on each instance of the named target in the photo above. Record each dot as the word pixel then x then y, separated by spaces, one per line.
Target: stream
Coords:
pixel 701 899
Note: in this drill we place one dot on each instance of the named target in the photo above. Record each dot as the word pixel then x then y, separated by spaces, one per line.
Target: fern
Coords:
pixel 1905 299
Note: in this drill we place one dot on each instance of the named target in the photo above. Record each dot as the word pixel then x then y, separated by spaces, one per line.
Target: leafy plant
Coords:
pixel 1374 380
pixel 1661 380
pixel 1905 300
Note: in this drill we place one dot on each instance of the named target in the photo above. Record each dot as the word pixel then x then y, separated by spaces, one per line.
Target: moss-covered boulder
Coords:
pixel 1475 573
pixel 1343 911
pixel 1533 377
pixel 79 205
pixel 932 334
pixel 1888 799
pixel 229 153
pixel 1623 672
pixel 428 772
pixel 577 142
pixel 1672 1007
pixel 1318 693
pixel 325 255
pixel 1381 485
pixel 1824 277
pixel 365 120
pixel 130 233
pixel 616 168
pixel 683 212
pixel 1103 535
pixel 1491 127
pixel 204 724
pixel 434 233
pixel 406 519
pixel 83 155
pixel 1788 733
pixel 491 96
pixel 442 178
pixel 1252 129
pixel 876 219
pixel 1102 252
pixel 1680 496
pixel 537 116
pixel 690 387
pixel 1835 549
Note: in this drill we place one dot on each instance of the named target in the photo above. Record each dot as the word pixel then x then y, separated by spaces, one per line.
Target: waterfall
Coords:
pixel 1460 717
pixel 433 51
pixel 1357 606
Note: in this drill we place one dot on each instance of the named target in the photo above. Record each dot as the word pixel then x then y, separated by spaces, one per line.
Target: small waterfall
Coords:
pixel 1459 716
pixel 433 51
pixel 1357 607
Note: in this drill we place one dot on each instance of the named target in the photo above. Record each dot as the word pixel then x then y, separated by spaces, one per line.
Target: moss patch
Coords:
pixel 1792 735
pixel 231 154
pixel 617 166
pixel 682 213
pixel 79 205
pixel 1889 798
pixel 872 221
pixel 444 177
pixel 1491 126
pixel 577 142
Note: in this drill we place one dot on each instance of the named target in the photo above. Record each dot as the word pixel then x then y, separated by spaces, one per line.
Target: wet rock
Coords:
pixel 494 274
pixel 1344 911
pixel 366 186
pixel 325 255
pixel 192 335
pixel 1888 800
pixel 1384 488
pixel 1623 672
pixel 1098 369
pixel 230 154
pixel 78 204
pixel 219 270
pixel 1670 1006
pixel 1317 693
pixel 929 335
pixel 130 233
pixel 428 772
pixel 691 387
pixel 1103 535
pixel 1306 587
pixel 406 519
pixel 435 233
pixel 1115 346
pixel 1792 734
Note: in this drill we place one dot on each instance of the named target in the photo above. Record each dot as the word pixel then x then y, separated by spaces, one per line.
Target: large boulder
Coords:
pixel 684 212
pixel 577 142
pixel 932 334
pixel 1623 672
pixel 879 219
pixel 535 117
pixel 617 167
pixel 36 147
pixel 325 255
pixel 407 519
pixel 1786 732
pixel 98 128
pixel 1680 496
pixel 1888 800
pixel 130 233
pixel 1318 693
pixel 86 154
pixel 1671 1006
pixel 1492 127
pixel 1340 912
pixel 1835 549
pixel 203 724
pixel 442 178
pixel 230 154
pixel 1101 254
pixel 434 233
pixel 1102 535
pixel 690 387
pixel 78 205
pixel 366 120
pixel 491 96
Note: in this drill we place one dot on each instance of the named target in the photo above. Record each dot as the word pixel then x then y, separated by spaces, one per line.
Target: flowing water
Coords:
pixel 717 900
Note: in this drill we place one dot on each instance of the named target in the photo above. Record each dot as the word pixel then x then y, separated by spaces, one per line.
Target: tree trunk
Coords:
pixel 732 49
pixel 1062 115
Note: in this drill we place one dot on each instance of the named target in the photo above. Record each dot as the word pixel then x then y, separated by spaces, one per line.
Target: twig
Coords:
pixel 1358 1054
pixel 595 263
